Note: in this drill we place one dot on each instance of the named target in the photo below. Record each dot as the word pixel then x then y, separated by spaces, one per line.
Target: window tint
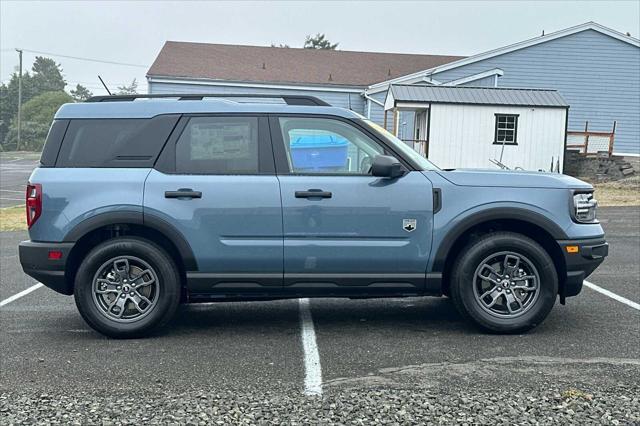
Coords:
pixel 506 129
pixel 327 146
pixel 218 145
pixel 53 142
pixel 115 142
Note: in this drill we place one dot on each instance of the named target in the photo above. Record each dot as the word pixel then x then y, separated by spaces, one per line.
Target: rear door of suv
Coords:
pixel 215 183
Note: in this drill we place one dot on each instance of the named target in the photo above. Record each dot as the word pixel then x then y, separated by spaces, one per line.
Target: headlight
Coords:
pixel 584 207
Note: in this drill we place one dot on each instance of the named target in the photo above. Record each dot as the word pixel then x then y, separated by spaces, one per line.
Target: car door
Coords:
pixel 346 231
pixel 215 184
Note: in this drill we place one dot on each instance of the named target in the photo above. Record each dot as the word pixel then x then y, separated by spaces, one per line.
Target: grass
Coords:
pixel 12 219
pixel 624 192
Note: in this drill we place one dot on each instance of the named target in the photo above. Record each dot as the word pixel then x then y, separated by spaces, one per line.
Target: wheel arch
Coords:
pixel 92 231
pixel 531 224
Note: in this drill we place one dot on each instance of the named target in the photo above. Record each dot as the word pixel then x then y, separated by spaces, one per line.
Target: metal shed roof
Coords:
pixel 474 96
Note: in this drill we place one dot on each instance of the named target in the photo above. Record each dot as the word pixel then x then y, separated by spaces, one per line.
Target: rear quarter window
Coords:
pixel 115 142
pixel 53 142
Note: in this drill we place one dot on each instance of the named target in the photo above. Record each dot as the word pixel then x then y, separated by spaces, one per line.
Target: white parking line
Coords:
pixel 11 190
pixel 612 295
pixel 21 294
pixel 313 370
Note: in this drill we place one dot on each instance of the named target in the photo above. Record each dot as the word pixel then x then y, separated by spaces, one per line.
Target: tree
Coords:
pixel 80 93
pixel 319 42
pixel 279 45
pixel 37 115
pixel 9 100
pixel 47 75
pixel 131 89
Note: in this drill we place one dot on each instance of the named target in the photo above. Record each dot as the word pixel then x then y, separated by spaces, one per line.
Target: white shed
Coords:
pixel 476 127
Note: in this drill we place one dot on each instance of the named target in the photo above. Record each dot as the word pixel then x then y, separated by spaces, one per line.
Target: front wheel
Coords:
pixel 126 287
pixel 504 282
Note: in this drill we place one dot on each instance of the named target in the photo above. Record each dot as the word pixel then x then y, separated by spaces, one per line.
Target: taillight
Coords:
pixel 34 203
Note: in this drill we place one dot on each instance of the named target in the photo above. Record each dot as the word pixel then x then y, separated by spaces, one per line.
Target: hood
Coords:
pixel 512 178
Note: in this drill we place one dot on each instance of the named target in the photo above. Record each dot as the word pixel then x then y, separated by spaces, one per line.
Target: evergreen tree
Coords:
pixel 80 93
pixel 131 89
pixel 319 42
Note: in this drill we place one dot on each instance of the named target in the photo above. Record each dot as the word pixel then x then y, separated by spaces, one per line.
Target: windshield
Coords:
pixel 405 149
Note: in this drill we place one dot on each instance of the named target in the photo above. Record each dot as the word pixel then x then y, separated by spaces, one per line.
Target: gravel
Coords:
pixel 370 405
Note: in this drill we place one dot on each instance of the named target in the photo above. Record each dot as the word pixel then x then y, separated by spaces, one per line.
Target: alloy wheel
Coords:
pixel 125 289
pixel 506 284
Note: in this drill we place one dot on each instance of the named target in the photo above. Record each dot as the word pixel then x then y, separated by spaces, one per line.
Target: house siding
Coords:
pixel 483 82
pixel 353 101
pixel 377 112
pixel 597 74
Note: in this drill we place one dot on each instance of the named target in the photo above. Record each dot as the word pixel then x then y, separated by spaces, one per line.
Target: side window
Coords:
pixel 327 146
pixel 117 142
pixel 91 143
pixel 506 129
pixel 218 145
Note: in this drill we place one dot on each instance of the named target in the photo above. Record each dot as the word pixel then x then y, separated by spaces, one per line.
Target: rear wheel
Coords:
pixel 504 282
pixel 126 287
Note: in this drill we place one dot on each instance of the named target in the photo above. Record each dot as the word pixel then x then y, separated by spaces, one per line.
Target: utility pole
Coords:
pixel 19 102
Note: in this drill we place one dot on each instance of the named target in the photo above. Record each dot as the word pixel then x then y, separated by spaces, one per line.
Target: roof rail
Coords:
pixel 289 99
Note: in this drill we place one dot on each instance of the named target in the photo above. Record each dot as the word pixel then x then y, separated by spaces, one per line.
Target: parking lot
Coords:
pixel 403 359
pixel 332 360
pixel 15 169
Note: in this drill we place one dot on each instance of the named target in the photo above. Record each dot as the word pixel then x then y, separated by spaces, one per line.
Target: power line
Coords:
pixel 80 58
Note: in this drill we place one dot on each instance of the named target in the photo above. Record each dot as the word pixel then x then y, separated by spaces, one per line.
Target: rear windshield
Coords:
pixel 114 142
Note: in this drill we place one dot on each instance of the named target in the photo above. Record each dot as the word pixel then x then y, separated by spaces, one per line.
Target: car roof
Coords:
pixel 147 108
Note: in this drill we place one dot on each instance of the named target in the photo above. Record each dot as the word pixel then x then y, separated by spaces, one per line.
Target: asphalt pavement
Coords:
pixel 15 169
pixel 398 360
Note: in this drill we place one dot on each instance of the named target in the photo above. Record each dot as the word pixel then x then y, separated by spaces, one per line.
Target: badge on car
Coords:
pixel 409 225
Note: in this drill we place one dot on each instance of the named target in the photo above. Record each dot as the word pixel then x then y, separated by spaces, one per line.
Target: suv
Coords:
pixel 142 204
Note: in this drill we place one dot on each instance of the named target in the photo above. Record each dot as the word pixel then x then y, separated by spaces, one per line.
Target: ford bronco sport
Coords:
pixel 144 202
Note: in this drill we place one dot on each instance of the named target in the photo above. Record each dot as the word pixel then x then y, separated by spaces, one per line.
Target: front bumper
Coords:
pixel 34 258
pixel 580 264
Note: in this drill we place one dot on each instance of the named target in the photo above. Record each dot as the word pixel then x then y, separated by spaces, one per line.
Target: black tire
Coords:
pixel 464 279
pixel 165 301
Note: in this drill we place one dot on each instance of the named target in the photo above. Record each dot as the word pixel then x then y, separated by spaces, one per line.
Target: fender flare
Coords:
pixel 131 217
pixel 495 213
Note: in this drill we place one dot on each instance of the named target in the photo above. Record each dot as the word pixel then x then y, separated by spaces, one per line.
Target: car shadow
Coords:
pixel 417 314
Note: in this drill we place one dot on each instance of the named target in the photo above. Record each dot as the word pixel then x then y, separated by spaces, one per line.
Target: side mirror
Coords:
pixel 387 167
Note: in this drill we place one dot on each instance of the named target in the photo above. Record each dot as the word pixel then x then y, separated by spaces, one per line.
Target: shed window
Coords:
pixel 506 129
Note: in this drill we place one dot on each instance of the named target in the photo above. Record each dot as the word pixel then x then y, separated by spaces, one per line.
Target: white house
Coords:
pixel 465 127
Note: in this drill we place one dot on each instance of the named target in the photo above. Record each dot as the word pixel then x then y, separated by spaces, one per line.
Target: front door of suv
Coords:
pixel 215 183
pixel 346 231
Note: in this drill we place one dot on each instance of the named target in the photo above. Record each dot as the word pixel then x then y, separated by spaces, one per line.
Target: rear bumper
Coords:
pixel 34 258
pixel 590 254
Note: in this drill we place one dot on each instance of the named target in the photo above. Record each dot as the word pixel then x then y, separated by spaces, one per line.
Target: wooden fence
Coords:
pixel 587 142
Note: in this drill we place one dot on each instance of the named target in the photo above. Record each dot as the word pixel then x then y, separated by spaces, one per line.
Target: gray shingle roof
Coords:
pixel 478 95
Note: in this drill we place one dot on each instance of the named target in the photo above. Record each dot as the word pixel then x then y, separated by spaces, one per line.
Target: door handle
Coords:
pixel 183 193
pixel 313 193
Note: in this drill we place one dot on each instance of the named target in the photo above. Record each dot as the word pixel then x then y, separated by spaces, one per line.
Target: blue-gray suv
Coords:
pixel 141 203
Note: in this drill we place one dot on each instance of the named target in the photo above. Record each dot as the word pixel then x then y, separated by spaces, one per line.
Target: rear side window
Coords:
pixel 115 142
pixel 53 142
pixel 218 145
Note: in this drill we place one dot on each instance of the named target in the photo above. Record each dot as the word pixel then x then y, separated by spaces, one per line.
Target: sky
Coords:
pixel 133 32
